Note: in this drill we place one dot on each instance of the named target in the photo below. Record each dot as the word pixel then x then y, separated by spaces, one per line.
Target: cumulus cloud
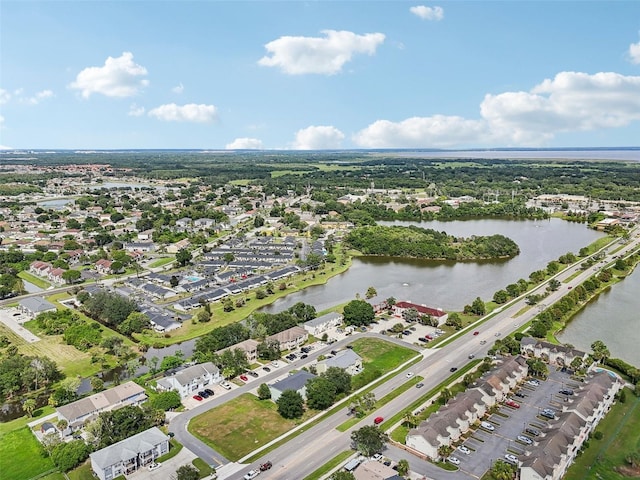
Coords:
pixel 245 143
pixel 434 131
pixel 634 53
pixel 428 13
pixel 135 111
pixel 320 137
pixel 191 112
pixel 322 55
pixel 4 96
pixel 118 77
pixel 178 89
pixel 571 101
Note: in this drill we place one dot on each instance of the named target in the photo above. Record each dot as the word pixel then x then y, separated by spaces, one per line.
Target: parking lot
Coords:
pixel 486 446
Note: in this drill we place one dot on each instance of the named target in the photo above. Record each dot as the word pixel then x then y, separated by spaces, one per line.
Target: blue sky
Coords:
pixel 319 74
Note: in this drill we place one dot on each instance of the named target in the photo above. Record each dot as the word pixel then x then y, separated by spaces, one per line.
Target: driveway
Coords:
pixel 13 318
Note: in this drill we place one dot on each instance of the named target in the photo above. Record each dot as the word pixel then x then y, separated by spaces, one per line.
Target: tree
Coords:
pixel 70 454
pixel 290 404
pixel 444 451
pixel 358 313
pixel 135 322
pixel 410 315
pixel 174 281
pixel 410 419
pixel 339 378
pixel 183 256
pixel 321 393
pixel 403 467
pixel 361 404
pixel 165 400
pixel 554 284
pixel 71 276
pixel 369 440
pixel 342 476
pixel 500 297
pixel 187 472
pixel 263 392
pixel 371 292
pixel 29 406
pixel 501 470
pixel 600 351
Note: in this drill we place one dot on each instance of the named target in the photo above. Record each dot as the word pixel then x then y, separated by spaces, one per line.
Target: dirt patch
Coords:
pixel 629 471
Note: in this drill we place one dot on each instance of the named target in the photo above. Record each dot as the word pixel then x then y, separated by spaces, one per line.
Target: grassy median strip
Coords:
pixel 330 465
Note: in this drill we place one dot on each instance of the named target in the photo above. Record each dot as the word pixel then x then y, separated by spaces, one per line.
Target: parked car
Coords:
pixel 464 450
pixel 377 457
pixel 276 364
pixel 487 426
pixel 512 404
pixel 224 384
pixel 428 337
pixel 244 378
pixel 453 460
pixel 203 394
pixel 252 474
pixel 303 356
pixel 406 332
pixel 253 374
pixel 266 466
pixel 525 439
pixel 511 458
pixel 266 369
pixel 532 431
pixel 423 339
pixel 519 394
pixel 154 466
pixel 566 391
pixel 197 397
pixel 549 415
pixel 209 391
pixel 387 462
pixel 533 383
pixel 378 420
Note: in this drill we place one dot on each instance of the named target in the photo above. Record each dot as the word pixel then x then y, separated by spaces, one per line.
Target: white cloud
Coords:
pixel 323 55
pixel 428 13
pixel 435 131
pixel 178 89
pixel 190 112
pixel 4 96
pixel 572 101
pixel 320 137
pixel 119 77
pixel 38 97
pixel 245 144
pixel 135 111
pixel 634 53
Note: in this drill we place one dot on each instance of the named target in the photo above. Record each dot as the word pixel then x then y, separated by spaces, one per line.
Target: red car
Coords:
pixel 378 420
pixel 476 332
pixel 265 466
pixel 428 337
pixel 197 397
pixel 512 404
pixel 244 378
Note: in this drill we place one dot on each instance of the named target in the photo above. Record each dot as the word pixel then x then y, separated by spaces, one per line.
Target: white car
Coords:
pixel 487 426
pixel 154 466
pixel 453 460
pixel 377 457
pixel 511 458
pixel 533 383
pixel 225 384
pixel 275 364
pixel 464 450
pixel 409 374
pixel 525 439
pixel 251 474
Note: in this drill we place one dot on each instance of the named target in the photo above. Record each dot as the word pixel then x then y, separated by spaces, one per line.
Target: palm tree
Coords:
pixel 444 451
pixel 29 406
pixel 410 419
pixel 501 470
pixel 403 467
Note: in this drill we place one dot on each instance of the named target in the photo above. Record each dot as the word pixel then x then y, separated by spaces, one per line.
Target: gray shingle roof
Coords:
pixel 293 382
pixel 128 448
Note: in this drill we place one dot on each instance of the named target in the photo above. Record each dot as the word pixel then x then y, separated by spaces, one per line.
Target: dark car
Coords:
pixel 453 369
pixel 253 374
pixel 566 391
pixel 209 391
pixel 266 369
pixel 303 356
pixel 532 431
pixel 519 394
pixel 422 339
pixel 406 332
pixel 203 394
pixel 266 466
pixel 350 347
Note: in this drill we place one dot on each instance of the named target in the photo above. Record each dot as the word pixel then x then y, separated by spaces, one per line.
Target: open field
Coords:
pixel 621 429
pixel 21 456
pixel 18 423
pixel 161 262
pixel 381 355
pixel 37 281
pixel 239 427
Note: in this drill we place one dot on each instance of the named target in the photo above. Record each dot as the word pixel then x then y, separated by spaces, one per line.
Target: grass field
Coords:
pixel 20 456
pixel 18 423
pixel 161 262
pixel 381 355
pixel 83 472
pixel 239 427
pixel 621 429
pixel 37 281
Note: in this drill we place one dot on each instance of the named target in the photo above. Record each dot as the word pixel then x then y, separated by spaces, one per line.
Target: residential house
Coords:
pixel 190 379
pixel 296 382
pixel 318 325
pixel 183 224
pixel 103 266
pixel 176 247
pixel 76 413
pixel 347 360
pixel 130 454
pixel 249 347
pixel 34 306
pixel 436 313
pixel 55 275
pixel 549 352
pixel 373 470
pixel 41 269
pixel 291 338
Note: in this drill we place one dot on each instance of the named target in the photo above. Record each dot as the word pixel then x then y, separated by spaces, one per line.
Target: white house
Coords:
pixel 130 454
pixel 318 325
pixel 191 379
pixel 347 360
pixel 33 306
pixel 296 382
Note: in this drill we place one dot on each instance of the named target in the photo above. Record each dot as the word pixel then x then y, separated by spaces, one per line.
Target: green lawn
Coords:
pixel 21 456
pixel 162 262
pixel 37 281
pixel 621 429
pixel 83 472
pixel 380 354
pixel 237 428
pixel 18 423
